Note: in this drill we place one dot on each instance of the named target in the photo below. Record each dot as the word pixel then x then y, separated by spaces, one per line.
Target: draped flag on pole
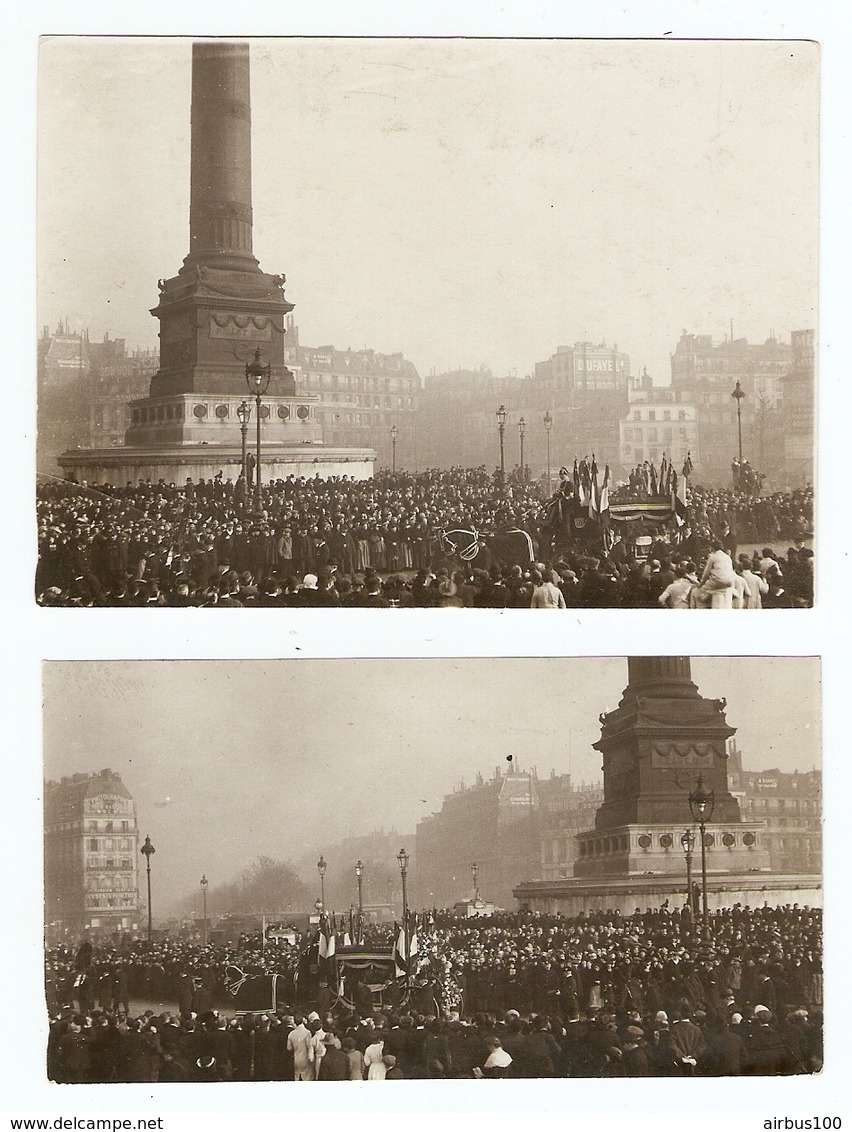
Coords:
pixel 593 490
pixel 576 478
pixel 665 473
pixel 586 487
pixel 603 496
pixel 404 956
pixel 680 499
pixel 327 941
pixel 687 466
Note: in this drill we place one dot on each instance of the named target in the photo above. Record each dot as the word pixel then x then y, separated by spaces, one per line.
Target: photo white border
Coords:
pixel 33 635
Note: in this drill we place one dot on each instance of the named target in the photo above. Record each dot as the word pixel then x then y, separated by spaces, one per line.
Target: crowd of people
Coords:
pixel 378 543
pixel 518 995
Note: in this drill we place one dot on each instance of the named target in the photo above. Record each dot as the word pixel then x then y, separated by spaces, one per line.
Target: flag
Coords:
pixel 603 495
pixel 593 490
pixel 584 484
pixel 576 478
pixel 665 476
pixel 687 466
pixel 680 498
pixel 327 941
pixel 654 488
pixel 403 955
pixel 398 950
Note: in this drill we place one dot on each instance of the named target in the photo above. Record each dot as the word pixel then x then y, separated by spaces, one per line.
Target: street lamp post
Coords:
pixel 394 435
pixel 548 425
pixel 243 413
pixel 258 377
pixel 738 396
pixel 148 850
pixel 474 872
pixel 359 873
pixel 502 416
pixel 701 803
pixel 687 840
pixel 204 895
pixel 403 859
pixel 522 428
pixel 321 867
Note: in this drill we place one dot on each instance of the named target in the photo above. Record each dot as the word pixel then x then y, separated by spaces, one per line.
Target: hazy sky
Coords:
pixel 464 202
pixel 228 760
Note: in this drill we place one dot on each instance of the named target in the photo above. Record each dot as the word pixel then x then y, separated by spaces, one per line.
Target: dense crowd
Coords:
pixel 377 543
pixel 518 995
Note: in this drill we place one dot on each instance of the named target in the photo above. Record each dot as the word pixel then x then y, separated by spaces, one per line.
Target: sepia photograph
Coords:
pixel 432 870
pixel 427 322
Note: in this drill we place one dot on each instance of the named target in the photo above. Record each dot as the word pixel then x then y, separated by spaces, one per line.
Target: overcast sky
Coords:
pixel 228 760
pixel 464 202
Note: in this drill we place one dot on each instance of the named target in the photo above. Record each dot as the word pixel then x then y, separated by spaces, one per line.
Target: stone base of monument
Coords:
pixel 575 896
pixel 637 850
pixel 205 460
pixel 196 436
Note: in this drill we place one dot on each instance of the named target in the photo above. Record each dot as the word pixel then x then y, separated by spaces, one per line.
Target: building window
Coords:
pixel 637 414
pixel 93 844
pixel 652 415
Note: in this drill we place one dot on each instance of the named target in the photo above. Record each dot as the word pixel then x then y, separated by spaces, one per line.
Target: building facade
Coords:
pixel 493 824
pixel 84 389
pixel 91 850
pixel 798 409
pixel 661 421
pixel 362 395
pixel 584 389
pixel 588 385
pixel 707 373
pixel 789 805
pixel 565 812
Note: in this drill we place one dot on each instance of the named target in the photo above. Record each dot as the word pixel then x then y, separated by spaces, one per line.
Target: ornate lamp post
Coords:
pixel 258 377
pixel 548 425
pixel 243 414
pixel 204 883
pixel 321 867
pixel 394 435
pixel 738 396
pixel 687 841
pixel 701 803
pixel 148 851
pixel 502 416
pixel 403 859
pixel 474 872
pixel 359 873
pixel 522 428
